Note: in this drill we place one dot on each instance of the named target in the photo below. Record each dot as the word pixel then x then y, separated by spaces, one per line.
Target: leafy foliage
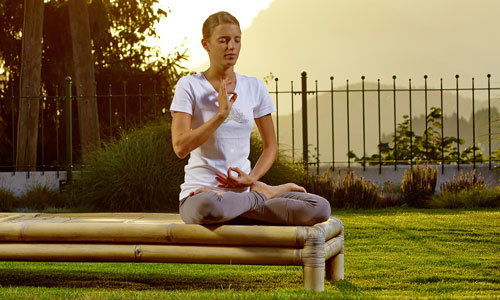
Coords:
pixel 124 64
pixel 431 146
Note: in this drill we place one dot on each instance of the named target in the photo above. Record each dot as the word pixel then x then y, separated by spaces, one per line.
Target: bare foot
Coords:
pixel 272 191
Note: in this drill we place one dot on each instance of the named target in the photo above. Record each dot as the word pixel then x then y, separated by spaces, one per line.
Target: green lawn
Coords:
pixel 388 253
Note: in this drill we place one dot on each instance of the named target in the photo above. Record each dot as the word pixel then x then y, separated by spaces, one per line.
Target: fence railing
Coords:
pixel 338 114
pixel 121 108
pixel 345 95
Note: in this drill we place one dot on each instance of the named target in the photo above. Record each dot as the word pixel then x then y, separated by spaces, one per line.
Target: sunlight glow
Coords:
pixel 181 29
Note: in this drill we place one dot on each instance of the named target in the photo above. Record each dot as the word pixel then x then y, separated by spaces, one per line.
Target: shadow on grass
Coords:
pixel 346 288
pixel 13 277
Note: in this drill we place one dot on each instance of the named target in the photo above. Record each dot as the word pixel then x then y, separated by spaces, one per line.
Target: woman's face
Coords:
pixel 224 45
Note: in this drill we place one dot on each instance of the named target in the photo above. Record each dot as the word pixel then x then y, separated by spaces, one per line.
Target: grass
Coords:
pixel 392 253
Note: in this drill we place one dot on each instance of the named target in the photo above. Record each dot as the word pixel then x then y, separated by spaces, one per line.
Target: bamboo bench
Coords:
pixel 133 237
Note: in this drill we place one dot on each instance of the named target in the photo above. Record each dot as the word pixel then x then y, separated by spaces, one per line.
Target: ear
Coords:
pixel 204 44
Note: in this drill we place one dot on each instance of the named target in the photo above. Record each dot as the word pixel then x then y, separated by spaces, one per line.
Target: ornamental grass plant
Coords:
pixel 7 200
pixel 40 197
pixel 354 192
pixel 419 185
pixel 470 181
pixel 469 199
pixel 137 172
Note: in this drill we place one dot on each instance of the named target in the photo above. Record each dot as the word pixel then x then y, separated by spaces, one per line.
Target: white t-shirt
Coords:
pixel 229 145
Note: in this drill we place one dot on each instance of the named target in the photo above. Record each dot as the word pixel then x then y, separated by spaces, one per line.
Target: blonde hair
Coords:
pixel 216 19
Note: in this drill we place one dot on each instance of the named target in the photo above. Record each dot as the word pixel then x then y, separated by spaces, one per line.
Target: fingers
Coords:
pixel 225 183
pixel 233 98
pixel 232 179
pixel 222 88
pixel 222 181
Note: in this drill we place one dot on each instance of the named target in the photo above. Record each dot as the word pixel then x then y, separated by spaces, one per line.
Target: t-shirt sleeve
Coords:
pixel 264 103
pixel 183 97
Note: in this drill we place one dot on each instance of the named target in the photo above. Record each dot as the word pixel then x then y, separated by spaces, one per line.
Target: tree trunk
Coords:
pixel 84 75
pixel 31 66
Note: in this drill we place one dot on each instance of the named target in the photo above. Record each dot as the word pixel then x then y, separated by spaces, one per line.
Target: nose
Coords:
pixel 230 44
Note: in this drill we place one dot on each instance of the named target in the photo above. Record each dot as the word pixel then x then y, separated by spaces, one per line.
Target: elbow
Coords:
pixel 180 152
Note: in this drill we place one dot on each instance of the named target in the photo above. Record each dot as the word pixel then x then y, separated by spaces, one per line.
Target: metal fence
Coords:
pixel 400 97
pixel 126 107
pixel 121 108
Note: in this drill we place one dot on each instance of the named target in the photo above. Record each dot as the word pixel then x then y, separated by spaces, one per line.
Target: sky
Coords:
pixel 348 38
pixel 182 28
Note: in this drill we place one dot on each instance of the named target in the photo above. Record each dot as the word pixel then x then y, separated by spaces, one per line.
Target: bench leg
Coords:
pixel 335 267
pixel 314 278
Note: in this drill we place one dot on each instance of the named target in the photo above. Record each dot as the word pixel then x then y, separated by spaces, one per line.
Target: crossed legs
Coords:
pixel 278 205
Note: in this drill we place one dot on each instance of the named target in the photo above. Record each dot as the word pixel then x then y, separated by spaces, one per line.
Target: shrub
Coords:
pixel 469 198
pixel 7 200
pixel 418 185
pixel 468 182
pixel 354 192
pixel 390 195
pixel 138 172
pixel 40 197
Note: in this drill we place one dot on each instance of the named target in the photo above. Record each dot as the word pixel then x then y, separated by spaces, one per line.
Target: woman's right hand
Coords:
pixel 225 101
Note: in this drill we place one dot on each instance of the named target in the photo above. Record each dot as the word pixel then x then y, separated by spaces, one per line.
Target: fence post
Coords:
pixel 305 144
pixel 69 135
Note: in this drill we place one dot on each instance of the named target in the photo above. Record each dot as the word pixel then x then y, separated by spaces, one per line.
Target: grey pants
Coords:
pixel 291 208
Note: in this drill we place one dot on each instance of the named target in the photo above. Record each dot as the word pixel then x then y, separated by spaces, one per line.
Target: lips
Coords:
pixel 231 55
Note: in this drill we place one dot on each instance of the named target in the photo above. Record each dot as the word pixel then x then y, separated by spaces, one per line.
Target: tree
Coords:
pixel 430 146
pixel 84 74
pixel 118 31
pixel 27 129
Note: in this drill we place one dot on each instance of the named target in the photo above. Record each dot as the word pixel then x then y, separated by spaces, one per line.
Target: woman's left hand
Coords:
pixel 229 181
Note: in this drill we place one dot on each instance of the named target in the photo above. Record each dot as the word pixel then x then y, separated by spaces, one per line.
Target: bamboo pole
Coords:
pixel 43 228
pixel 112 215
pixel 333 247
pixel 335 267
pixel 7 217
pixel 147 233
pixel 148 253
pixel 332 227
pixel 314 278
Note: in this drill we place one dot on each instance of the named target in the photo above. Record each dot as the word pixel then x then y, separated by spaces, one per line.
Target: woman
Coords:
pixel 214 128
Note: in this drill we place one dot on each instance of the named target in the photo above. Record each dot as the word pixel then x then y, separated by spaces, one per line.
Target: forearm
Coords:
pixel 189 140
pixel 264 163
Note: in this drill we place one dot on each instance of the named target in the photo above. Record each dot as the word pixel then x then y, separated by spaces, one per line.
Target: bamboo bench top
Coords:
pixel 155 228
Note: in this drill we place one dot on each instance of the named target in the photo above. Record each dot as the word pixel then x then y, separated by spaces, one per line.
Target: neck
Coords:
pixel 217 72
